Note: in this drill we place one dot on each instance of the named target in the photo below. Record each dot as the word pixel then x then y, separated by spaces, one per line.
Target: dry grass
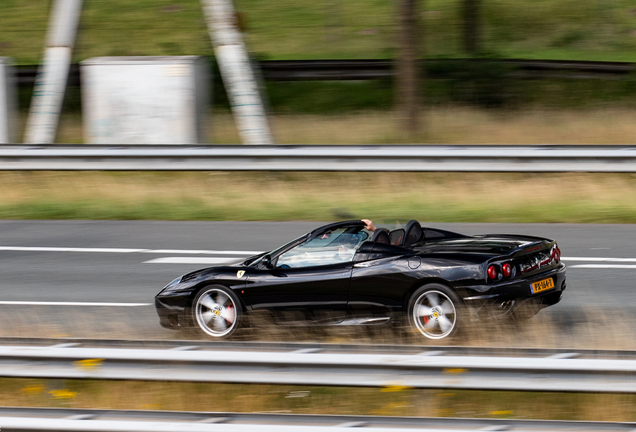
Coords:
pixel 315 400
pixel 388 401
pixel 428 197
pixel 585 329
pixel 442 125
pixel 85 322
pixel 463 126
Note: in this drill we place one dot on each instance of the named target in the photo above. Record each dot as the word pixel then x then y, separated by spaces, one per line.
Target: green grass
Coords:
pixel 331 29
pixel 428 197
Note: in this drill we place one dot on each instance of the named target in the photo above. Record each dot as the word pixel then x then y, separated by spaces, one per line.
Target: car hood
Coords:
pixel 208 271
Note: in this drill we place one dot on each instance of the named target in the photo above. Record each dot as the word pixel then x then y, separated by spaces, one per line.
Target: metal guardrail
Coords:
pixel 64 419
pixel 425 369
pixel 331 348
pixel 320 70
pixel 297 70
pixel 321 158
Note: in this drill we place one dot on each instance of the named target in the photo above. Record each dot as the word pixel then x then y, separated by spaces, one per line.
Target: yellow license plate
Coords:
pixel 543 285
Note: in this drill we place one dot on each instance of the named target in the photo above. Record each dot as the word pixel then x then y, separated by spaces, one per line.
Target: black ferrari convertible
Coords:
pixel 342 274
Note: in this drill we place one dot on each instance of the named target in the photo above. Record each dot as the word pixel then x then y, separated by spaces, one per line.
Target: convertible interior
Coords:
pixel 411 235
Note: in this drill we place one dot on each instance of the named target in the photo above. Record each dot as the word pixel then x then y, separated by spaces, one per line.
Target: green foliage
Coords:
pixel 483 82
pixel 331 29
pixel 335 29
pixel 320 97
pixel 569 38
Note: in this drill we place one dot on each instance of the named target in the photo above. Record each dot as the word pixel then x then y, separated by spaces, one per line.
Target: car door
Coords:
pixel 311 279
pixel 380 278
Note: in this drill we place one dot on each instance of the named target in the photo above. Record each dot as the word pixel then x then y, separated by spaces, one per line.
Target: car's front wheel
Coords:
pixel 217 311
pixel 435 311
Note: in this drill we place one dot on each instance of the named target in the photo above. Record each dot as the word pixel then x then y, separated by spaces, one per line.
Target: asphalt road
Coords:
pixel 127 262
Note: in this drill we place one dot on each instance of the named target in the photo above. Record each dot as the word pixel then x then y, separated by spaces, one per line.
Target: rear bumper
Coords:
pixel 519 291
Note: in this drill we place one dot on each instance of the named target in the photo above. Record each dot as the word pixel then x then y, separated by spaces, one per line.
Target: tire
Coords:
pixel 435 311
pixel 216 312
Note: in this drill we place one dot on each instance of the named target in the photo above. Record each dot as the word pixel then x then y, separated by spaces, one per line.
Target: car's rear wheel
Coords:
pixel 435 311
pixel 217 311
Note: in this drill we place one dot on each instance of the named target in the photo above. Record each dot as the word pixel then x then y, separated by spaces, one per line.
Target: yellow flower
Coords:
pixel 394 388
pixel 33 389
pixel 62 394
pixel 455 371
pixel 88 364
pixel 501 413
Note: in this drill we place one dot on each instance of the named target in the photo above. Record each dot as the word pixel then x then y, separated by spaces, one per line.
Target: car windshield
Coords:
pixel 330 247
pixel 255 260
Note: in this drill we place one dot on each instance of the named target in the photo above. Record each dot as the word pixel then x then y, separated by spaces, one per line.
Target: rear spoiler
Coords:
pixel 537 246
pixel 518 236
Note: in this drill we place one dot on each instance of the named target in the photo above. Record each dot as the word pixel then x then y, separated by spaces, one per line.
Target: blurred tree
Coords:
pixel 334 20
pixel 470 21
pixel 407 76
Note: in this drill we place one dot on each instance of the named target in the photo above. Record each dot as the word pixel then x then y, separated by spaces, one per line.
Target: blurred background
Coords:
pixel 467 86
pixel 334 72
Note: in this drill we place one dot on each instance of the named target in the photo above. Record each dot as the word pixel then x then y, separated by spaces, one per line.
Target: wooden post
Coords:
pixel 470 21
pixel 407 77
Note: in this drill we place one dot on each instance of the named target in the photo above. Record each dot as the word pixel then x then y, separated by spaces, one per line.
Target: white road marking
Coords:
pixel 216 252
pixel 225 259
pixel 593 259
pixel 42 303
pixel 603 266
pixel 202 252
pixel 120 250
pixel 192 260
pixel 67 249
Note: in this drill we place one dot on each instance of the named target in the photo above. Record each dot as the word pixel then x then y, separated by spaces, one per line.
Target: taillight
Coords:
pixel 506 269
pixel 492 272
pixel 557 255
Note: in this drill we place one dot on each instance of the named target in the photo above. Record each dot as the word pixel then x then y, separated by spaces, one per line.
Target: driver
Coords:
pixel 368 225
pixel 347 249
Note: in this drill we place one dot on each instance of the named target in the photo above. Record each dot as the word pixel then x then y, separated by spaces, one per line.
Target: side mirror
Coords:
pixel 267 261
